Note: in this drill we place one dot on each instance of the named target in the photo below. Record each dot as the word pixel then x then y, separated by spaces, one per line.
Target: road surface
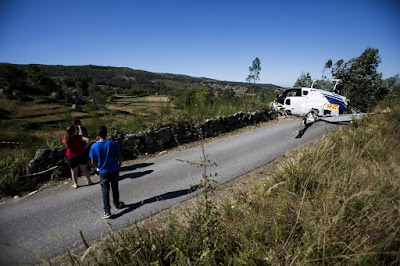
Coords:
pixel 48 223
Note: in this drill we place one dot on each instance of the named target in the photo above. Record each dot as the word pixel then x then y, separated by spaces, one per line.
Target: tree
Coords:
pixel 254 73
pixel 98 96
pixel 204 96
pixel 361 82
pixel 303 81
pixel 328 65
pixel 40 80
pixel 227 95
pixel 82 86
pixel 12 76
pixel 185 98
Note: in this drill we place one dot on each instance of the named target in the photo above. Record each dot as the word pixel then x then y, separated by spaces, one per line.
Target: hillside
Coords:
pixel 111 77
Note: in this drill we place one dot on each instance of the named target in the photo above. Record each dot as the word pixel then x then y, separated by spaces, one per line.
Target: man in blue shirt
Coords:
pixel 106 155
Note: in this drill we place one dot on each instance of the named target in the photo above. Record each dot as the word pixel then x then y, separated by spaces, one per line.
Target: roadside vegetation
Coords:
pixel 335 202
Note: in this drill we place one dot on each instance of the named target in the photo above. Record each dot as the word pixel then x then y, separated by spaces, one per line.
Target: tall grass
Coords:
pixel 199 112
pixel 336 202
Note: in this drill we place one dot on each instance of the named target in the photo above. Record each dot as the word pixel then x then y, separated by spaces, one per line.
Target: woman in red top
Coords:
pixel 75 154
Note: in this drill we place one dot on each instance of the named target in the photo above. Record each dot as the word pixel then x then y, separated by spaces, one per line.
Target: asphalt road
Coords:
pixel 48 223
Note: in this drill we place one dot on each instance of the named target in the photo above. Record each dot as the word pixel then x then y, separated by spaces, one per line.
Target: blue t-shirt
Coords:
pixel 106 155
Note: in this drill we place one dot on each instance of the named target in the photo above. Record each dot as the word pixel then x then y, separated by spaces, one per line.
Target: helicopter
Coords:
pixel 315 104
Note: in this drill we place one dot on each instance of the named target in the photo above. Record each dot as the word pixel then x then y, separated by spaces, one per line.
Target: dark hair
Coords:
pixel 77 121
pixel 69 135
pixel 102 132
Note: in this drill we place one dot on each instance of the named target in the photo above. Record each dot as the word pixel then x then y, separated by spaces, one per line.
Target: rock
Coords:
pixel 70 90
pixel 164 135
pixel 149 139
pixel 42 154
pixel 39 162
pixel 76 100
pixel 58 154
pixel 18 94
pixel 76 108
pixel 56 95
pixel 5 91
pixel 130 146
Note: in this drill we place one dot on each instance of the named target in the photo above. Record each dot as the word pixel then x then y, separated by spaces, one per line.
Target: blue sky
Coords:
pixel 214 39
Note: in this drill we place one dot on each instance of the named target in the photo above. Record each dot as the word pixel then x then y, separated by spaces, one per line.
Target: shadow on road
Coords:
pixel 165 196
pixel 135 166
pixel 135 175
pixel 303 130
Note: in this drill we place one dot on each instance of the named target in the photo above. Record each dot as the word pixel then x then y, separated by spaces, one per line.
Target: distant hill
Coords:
pixel 127 78
pixel 102 75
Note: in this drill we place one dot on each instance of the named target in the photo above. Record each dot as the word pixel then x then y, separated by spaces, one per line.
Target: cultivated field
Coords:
pixel 139 106
pixel 33 125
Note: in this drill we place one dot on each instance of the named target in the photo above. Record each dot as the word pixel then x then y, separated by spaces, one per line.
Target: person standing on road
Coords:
pixel 106 155
pixel 75 154
pixel 82 130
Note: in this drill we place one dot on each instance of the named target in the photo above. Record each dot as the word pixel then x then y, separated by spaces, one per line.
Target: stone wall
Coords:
pixel 133 145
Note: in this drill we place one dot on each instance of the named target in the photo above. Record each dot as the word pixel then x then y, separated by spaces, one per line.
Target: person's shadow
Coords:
pixel 136 174
pixel 135 166
pixel 165 196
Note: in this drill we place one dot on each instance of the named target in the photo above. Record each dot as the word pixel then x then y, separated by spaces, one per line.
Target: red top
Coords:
pixel 76 148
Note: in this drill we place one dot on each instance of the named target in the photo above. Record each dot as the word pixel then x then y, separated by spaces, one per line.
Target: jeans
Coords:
pixel 105 181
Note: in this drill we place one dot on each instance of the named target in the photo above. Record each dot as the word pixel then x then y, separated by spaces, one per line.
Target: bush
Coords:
pixel 11 170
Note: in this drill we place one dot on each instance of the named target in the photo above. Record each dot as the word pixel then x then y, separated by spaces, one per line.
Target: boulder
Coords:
pixel 56 95
pixel 39 162
pixel 18 94
pixel 130 146
pixel 4 91
pixel 70 90
pixel 149 138
pixel 164 135
pixel 76 100
pixel 76 108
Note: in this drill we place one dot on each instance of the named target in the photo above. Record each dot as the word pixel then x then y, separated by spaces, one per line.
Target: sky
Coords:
pixel 213 39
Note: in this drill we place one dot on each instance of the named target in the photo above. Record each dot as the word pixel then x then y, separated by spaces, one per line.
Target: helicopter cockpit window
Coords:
pixel 287 102
pixel 292 93
pixel 305 93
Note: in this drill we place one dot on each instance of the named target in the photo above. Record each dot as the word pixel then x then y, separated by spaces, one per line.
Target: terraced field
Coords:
pixel 140 106
pixel 33 125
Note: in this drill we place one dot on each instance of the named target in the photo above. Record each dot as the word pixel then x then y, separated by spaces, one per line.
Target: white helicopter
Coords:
pixel 315 104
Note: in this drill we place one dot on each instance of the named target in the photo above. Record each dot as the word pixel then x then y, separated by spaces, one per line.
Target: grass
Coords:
pixel 335 202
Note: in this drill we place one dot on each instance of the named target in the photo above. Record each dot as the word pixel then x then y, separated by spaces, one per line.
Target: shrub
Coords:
pixel 11 170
